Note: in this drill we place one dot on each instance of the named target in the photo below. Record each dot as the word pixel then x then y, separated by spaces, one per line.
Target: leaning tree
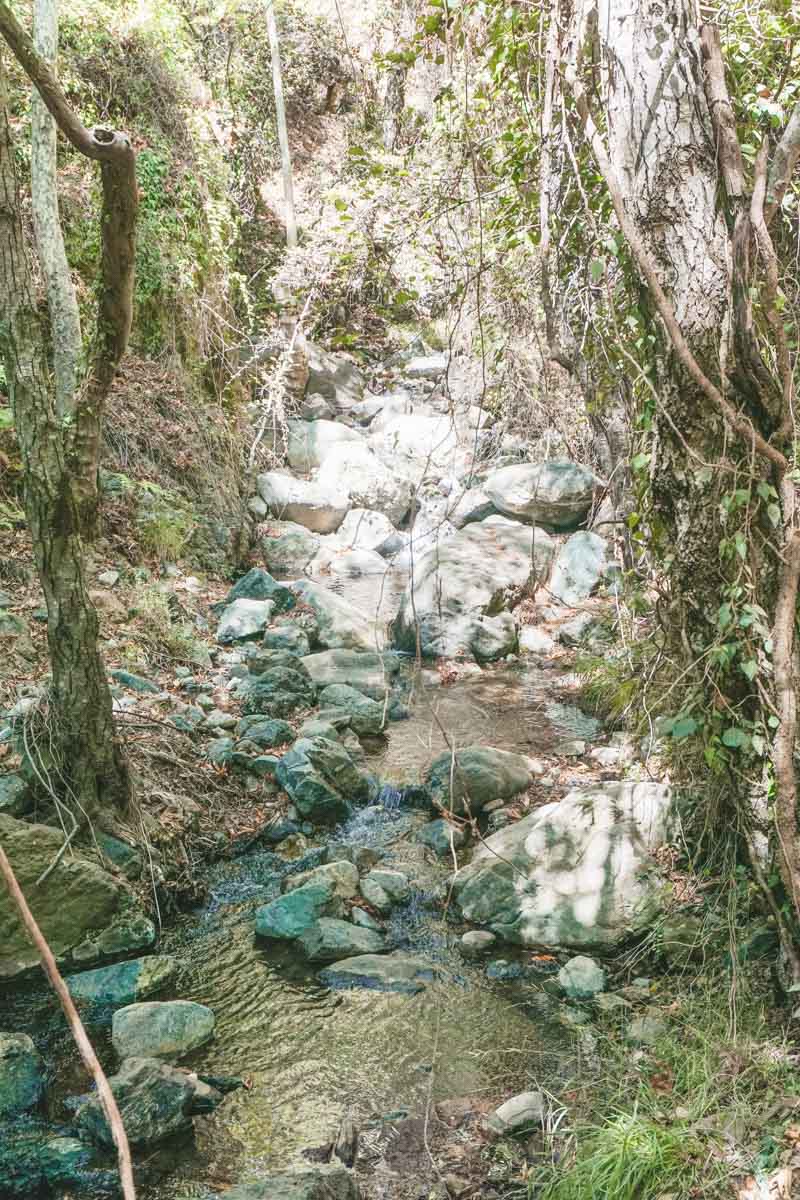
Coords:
pixel 58 407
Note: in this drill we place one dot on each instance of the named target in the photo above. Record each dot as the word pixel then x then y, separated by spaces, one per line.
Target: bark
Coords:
pixel 115 153
pixel 283 132
pixel 393 104
pixel 62 301
pixel 90 760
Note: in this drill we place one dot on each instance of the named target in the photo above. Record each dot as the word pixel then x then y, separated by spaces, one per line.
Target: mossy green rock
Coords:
pixel 322 779
pixel 21 1074
pixel 288 917
pixel 341 876
pixel 324 1182
pixel 258 584
pixel 480 774
pixel 582 978
pixel 289 547
pixel 154 1101
pixel 441 836
pixel 366 716
pixel 329 940
pixel 161 1029
pixel 266 732
pixel 14 794
pixel 288 637
pixel 32 1162
pixel 80 908
pixel 279 692
pixel 244 620
pixel 123 983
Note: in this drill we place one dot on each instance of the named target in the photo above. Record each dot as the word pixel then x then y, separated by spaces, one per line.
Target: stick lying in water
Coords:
pixel 76 1025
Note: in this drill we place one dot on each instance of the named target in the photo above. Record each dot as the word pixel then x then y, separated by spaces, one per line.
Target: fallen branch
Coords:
pixel 76 1025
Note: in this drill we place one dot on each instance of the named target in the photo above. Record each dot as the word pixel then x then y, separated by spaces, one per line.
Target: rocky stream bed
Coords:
pixel 392 972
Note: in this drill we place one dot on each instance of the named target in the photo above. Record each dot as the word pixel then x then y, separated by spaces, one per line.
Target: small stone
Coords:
pixel 582 978
pixel 134 683
pixel 108 578
pixel 257 508
pixel 477 941
pixel 14 798
pixel 646 1030
pixel 217 719
pixel 535 641
pixel 293 847
pixel 341 876
pixel 360 916
pixel 442 836
pixel 610 1002
pixel 383 889
pixel 330 940
pixel 520 1114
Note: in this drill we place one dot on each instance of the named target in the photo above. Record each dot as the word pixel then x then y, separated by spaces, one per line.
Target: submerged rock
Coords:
pixel 557 494
pixel 161 1029
pixel 462 587
pixel 21 1074
pixel 381 973
pixel 577 873
pixel 479 775
pixel 323 1182
pixel 329 940
pixel 125 982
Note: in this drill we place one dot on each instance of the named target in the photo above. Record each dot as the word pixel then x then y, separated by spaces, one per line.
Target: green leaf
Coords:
pixel 340 205
pixel 774 514
pixel 684 728
pixel 639 462
pixel 597 269
pixel 749 668
pixel 724 616
pixel 734 737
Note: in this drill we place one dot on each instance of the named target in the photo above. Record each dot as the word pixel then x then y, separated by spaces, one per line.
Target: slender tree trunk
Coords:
pixel 62 301
pixel 90 761
pixel 283 131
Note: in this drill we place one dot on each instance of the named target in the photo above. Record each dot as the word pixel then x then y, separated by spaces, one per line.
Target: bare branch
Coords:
pixel 729 152
pixel 784 161
pixel 76 1025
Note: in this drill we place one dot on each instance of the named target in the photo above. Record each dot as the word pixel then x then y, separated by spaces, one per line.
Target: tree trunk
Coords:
pixel 283 132
pixel 92 770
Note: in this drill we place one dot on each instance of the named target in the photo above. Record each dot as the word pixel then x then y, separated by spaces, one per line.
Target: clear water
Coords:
pixel 311 1055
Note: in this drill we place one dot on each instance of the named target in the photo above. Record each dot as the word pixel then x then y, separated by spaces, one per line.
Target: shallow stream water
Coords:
pixel 311 1055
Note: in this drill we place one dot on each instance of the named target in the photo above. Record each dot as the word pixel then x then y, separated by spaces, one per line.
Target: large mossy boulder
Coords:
pixel 341 626
pixel 321 778
pixel 155 1101
pixel 557 494
pixel 323 1182
pixel 479 775
pixel 21 1074
pixel 161 1029
pixel 577 873
pixel 279 692
pixel 82 910
pixel 462 589
pixel 124 982
pixel 244 620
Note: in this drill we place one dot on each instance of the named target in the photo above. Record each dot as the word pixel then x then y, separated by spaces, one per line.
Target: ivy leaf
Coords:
pixel 774 514
pixel 734 737
pixel 683 728
pixel 340 205
pixel 749 668
pixel 596 269
pixel 640 462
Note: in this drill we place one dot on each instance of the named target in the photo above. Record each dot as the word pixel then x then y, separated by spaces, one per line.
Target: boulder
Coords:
pixel 481 570
pixel 341 626
pixel 576 873
pixel 123 983
pixel 288 636
pixel 419 447
pixel 582 978
pixel 480 775
pixel 477 942
pixel 426 366
pixel 579 566
pixel 333 377
pixel 155 1101
pixel 21 1074
pixel 288 547
pixel 366 716
pixel 494 638
pixel 364 530
pixel 244 620
pixel 349 563
pixel 161 1029
pixel 381 973
pixel 535 641
pixel 366 410
pixel 317 505
pixel 383 889
pixel 321 778
pixel 279 692
pixel 365 670
pixel 258 584
pixel 14 795
pixel 329 940
pixel 311 441
pixel 288 917
pixel 323 1182
pixel 316 408
pixel 265 732
pixel 368 481
pixel 470 506
pixel 340 876
pixel 557 494
pixel 82 910
pixel 442 836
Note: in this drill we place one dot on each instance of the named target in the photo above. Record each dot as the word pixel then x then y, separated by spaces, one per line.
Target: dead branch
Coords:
pixel 784 161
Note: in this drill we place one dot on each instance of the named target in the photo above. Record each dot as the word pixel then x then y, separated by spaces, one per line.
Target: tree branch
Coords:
pixel 115 153
pixel 784 161
pixel 76 1025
